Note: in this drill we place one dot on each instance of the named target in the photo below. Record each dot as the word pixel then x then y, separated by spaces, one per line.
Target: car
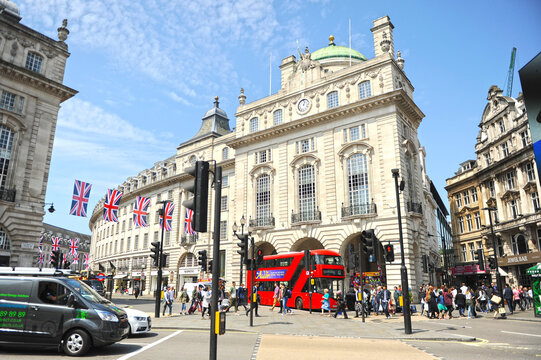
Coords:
pixel 96 285
pixel 52 309
pixel 139 321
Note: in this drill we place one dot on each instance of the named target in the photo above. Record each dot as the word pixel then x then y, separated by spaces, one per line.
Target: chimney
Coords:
pixel 383 36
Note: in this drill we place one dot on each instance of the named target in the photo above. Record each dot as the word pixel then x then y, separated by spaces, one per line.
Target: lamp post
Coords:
pixel 241 237
pixel 51 208
pixel 403 270
pixel 498 278
pixel 244 238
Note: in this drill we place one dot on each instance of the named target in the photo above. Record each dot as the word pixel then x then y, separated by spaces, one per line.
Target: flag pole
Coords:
pixel 350 41
pixel 270 74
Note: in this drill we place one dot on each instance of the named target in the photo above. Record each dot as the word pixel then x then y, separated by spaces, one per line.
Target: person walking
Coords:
pixel 168 296
pixel 508 297
pixel 241 296
pixel 385 297
pixel 460 301
pixel 326 304
pixel 287 296
pixel 233 297
pixel 184 299
pixel 205 304
pixel 422 296
pixel 276 296
pixel 341 304
pixel 137 291
pixel 469 302
pixel 448 302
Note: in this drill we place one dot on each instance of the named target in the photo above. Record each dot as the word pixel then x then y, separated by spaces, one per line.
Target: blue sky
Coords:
pixel 147 71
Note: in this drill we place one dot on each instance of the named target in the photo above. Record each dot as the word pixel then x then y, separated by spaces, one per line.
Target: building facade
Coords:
pixel 504 179
pixel 49 232
pixel 308 167
pixel 31 90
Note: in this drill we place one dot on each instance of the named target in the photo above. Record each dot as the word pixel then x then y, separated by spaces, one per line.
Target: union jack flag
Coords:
pixel 110 208
pixel 40 246
pixel 76 258
pixel 81 193
pixel 140 211
pixel 168 225
pixel 188 228
pixel 86 260
pixel 64 258
pixel 74 245
pixel 41 258
pixel 55 244
pixel 51 257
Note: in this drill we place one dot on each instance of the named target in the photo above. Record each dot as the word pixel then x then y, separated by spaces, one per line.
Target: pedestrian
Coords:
pixel 286 297
pixel 233 297
pixel 460 301
pixel 168 300
pixel 385 297
pixel 241 296
pixel 325 303
pixel 463 288
pixel 358 301
pixel 254 304
pixel 205 304
pixel 397 294
pixel 508 297
pixel 184 299
pixel 276 296
pixel 422 296
pixel 469 302
pixel 136 292
pixel 432 301
pixel 448 302
pixel 441 304
pixel 341 304
pixel 482 299
pixel 373 294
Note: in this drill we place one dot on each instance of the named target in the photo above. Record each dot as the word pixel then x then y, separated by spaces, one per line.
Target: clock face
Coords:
pixel 303 105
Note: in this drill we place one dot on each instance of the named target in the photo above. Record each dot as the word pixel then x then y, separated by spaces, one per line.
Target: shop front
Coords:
pixel 470 274
pixel 154 279
pixel 517 266
pixel 138 280
pixel 187 275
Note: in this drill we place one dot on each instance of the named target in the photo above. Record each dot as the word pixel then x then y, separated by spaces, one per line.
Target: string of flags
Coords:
pixel 81 195
pixel 73 252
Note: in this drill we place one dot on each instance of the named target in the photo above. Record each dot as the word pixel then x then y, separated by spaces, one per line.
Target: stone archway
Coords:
pixel 267 247
pixel 187 269
pixel 307 244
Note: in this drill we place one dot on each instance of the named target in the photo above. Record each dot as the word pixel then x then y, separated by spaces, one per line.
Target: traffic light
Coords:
pixel 67 264
pixel 243 244
pixel 389 253
pixel 202 259
pixel 306 260
pixel 199 186
pixel 210 266
pixel 479 258
pixel 492 263
pixel 56 257
pixel 370 242
pixel 259 257
pixel 425 264
pixel 164 259
pixel 155 252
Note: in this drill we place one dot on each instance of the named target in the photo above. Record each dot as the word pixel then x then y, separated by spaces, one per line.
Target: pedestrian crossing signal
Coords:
pixel 389 253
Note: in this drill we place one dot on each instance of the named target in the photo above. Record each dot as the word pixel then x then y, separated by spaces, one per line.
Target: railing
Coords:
pixel 7 195
pixel 415 207
pixel 304 216
pixel 188 239
pixel 359 209
pixel 262 222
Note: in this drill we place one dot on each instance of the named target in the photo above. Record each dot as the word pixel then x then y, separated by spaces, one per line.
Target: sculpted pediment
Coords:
pixel 356 147
pixel 510 195
pixel 530 187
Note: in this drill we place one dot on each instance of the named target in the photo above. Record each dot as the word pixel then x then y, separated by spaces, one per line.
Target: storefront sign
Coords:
pixel 467 270
pixel 528 258
pixel 27 245
pixel 189 271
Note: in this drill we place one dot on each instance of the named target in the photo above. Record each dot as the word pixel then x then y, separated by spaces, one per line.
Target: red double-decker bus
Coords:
pixel 289 269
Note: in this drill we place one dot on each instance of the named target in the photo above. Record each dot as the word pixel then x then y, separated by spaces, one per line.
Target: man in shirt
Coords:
pixel 233 295
pixel 385 297
pixel 463 288
pixel 276 296
pixel 168 296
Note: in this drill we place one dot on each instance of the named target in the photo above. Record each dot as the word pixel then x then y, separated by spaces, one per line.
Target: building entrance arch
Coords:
pixel 187 270
pixel 266 247
pixel 307 244
pixel 352 250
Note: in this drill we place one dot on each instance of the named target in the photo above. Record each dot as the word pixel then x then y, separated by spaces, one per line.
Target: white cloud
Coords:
pixel 175 97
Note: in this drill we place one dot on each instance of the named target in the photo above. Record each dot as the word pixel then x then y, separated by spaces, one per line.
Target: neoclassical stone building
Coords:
pixel 308 167
pixel 31 90
pixel 502 177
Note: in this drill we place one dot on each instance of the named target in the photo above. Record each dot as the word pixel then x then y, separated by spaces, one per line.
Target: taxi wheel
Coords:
pixel 76 342
pixel 298 303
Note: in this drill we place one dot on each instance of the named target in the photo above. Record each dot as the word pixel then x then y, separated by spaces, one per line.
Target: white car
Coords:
pixel 139 321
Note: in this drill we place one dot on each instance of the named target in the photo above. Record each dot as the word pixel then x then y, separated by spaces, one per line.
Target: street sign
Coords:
pixel 101 277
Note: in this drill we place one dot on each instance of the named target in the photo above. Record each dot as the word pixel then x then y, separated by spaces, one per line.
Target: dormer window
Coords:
pixel 254 125
pixel 34 62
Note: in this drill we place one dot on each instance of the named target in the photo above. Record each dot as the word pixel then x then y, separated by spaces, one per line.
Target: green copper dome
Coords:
pixel 333 51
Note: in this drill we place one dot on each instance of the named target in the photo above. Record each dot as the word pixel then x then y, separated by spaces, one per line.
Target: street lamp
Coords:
pixel 498 278
pixel 160 258
pixel 51 208
pixel 403 271
pixel 244 238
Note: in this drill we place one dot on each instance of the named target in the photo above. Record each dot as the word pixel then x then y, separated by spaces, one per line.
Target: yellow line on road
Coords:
pixel 206 331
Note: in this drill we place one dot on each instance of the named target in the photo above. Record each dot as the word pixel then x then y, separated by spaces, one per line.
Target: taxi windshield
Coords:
pixel 85 291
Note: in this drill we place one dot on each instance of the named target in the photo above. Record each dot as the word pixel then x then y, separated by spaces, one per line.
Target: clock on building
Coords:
pixel 303 106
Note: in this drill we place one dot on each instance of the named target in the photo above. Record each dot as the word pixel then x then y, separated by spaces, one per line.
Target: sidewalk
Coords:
pixel 302 323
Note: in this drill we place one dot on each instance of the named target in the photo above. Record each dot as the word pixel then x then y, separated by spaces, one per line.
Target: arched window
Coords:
pixel 34 62
pixel 188 261
pixel 254 125
pixel 4 240
pixel 409 180
pixel 6 145
pixel 332 99
pixel 277 117
pixel 307 193
pixel 263 204
pixel 519 244
pixel 364 90
pixel 225 153
pixel 359 196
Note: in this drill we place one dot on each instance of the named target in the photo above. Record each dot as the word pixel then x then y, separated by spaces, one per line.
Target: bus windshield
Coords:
pixel 328 260
pixel 332 284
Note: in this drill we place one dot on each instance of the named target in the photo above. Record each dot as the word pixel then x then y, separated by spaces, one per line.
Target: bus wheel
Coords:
pixel 298 303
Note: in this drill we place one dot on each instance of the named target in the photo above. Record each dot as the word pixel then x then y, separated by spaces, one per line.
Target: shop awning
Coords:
pixel 120 276
pixel 534 270
pixel 502 272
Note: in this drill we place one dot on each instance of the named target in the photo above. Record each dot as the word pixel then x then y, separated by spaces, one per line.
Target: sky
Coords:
pixel 147 71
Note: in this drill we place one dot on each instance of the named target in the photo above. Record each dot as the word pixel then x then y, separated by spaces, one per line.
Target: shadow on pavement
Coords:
pixel 52 351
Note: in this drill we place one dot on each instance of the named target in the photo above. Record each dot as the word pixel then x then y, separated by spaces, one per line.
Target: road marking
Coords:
pixel 127 356
pixel 517 333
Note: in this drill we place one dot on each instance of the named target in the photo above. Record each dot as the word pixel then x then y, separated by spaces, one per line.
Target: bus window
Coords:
pixel 285 262
pixel 328 260
pixel 332 284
